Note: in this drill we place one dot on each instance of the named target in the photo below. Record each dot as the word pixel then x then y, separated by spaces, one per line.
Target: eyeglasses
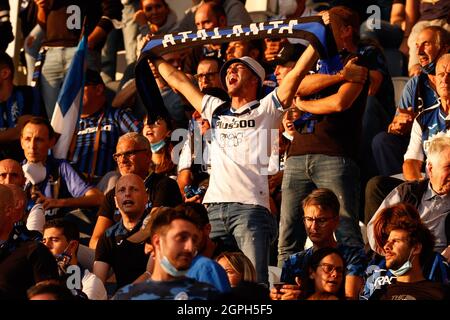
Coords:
pixel 126 154
pixel 208 75
pixel 329 268
pixel 319 221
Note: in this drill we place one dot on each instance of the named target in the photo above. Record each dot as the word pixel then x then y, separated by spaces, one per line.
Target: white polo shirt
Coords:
pixel 242 142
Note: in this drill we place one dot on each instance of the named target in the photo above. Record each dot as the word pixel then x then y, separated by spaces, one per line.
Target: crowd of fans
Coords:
pixel 350 199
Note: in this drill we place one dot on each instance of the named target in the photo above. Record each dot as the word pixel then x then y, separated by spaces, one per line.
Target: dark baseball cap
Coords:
pixel 289 52
pixel 92 77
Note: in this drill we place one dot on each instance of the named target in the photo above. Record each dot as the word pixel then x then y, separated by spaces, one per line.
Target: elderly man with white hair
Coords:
pixel 431 196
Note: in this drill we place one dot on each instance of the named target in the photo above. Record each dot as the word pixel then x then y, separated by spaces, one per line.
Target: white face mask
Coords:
pixel 286 7
pixel 35 172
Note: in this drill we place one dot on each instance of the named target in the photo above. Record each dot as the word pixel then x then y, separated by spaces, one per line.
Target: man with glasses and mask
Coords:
pixel 133 156
pixel 321 217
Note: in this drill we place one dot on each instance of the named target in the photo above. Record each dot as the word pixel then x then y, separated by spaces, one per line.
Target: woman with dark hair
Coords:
pixel 158 134
pixel 326 276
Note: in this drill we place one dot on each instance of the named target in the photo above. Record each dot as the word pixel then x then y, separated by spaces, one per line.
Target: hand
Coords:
pixel 29 41
pixel 287 292
pixel 47 203
pixel 42 3
pixel 325 16
pixel 197 198
pixel 140 18
pixel 354 73
pixel 446 253
pixel 402 122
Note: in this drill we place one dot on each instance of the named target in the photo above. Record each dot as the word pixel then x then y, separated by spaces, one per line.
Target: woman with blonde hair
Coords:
pixel 238 267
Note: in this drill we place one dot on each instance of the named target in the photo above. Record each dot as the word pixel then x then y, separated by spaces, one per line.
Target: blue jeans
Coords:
pixel 31 53
pixel 252 227
pixel 55 67
pixel 303 174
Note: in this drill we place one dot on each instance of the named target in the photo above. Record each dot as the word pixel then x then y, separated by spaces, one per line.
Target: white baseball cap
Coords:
pixel 251 63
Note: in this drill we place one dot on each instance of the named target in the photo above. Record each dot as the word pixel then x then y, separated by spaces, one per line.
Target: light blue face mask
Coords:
pixel 168 267
pixel 404 268
pixel 157 146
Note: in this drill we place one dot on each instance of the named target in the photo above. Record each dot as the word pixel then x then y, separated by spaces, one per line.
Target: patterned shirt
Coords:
pixel 179 289
pixel 297 264
pixel 114 123
pixel 19 103
pixel 426 125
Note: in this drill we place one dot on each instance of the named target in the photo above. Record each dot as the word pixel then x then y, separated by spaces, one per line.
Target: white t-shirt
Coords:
pixel 185 160
pixel 93 287
pixel 242 142
pixel 36 218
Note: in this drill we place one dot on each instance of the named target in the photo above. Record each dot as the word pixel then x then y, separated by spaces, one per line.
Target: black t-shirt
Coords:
pixel 334 134
pixel 30 263
pixel 162 191
pixel 127 259
pixel 422 290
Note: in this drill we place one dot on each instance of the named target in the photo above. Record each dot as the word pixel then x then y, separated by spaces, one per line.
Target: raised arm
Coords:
pixel 288 87
pixel 179 81
pixel 338 102
pixel 314 83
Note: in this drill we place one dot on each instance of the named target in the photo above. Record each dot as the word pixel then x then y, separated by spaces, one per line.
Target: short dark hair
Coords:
pixel 314 263
pixel 346 17
pixel 69 229
pixel 40 121
pixel 196 211
pixel 324 198
pixel 53 287
pixel 7 61
pixel 217 9
pixel 164 216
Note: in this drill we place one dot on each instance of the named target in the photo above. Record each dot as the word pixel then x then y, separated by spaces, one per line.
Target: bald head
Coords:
pixel 11 173
pixel 443 78
pixel 130 195
pixel 210 15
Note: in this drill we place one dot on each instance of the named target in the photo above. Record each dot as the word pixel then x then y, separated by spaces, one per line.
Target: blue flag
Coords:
pixel 69 103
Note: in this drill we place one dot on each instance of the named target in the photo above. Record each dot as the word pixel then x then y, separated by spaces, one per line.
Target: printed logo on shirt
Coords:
pixel 106 127
pixel 230 139
pixel 235 124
